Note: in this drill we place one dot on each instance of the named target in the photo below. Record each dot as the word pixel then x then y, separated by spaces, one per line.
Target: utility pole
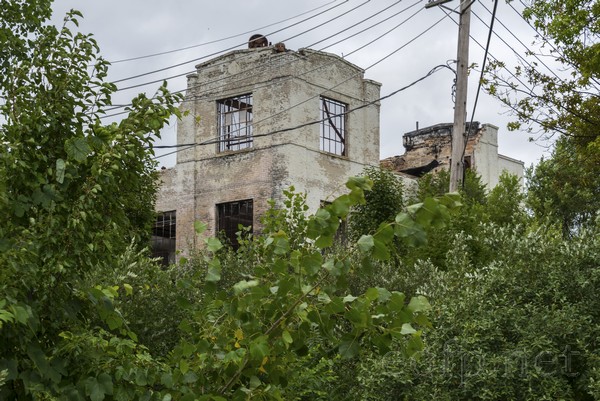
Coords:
pixel 460 107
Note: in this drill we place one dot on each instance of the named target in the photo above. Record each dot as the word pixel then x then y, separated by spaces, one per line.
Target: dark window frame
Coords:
pixel 333 131
pixel 164 237
pixel 234 122
pixel 231 214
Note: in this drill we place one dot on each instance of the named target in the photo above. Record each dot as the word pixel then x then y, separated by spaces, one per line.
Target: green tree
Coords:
pixel 520 324
pixel 73 194
pixel 564 186
pixel 565 189
pixel 381 203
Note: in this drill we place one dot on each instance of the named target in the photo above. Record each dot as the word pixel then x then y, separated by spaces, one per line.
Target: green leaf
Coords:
pixel 184 366
pixel 418 304
pixel 94 389
pixel 105 383
pixel 286 336
pixel 341 206
pixel 281 244
pixel 349 298
pixel 77 148
pixel 259 348
pixel 254 382
pixel 372 294
pixel 166 379
pixel 312 262
pixel 21 314
pixel 60 170
pixel 383 294
pixel 397 301
pixel 213 244
pixel 365 243
pixel 244 285
pixel 363 183
pixel 213 273
pixel 348 348
pixel 200 227
pixel 128 289
pixel 407 329
pixel 381 251
pixel 333 267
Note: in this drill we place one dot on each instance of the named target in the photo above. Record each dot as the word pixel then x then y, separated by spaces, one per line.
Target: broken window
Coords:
pixel 333 127
pixel 235 123
pixel 163 237
pixel 233 214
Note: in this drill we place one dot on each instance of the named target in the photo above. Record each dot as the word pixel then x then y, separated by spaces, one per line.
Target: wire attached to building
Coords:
pixel 321 49
pixel 229 48
pixel 353 76
pixel 224 39
pixel 215 140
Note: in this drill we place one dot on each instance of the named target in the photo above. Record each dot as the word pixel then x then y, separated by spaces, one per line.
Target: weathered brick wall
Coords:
pixel 285 88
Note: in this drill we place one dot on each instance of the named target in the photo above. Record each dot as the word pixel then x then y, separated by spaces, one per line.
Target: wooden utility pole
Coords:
pixel 460 106
pixel 459 128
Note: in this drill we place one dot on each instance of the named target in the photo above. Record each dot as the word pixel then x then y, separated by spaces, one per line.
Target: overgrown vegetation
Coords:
pixel 479 295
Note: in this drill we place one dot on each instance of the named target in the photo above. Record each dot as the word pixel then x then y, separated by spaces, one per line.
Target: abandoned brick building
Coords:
pixel 259 120
pixel 429 149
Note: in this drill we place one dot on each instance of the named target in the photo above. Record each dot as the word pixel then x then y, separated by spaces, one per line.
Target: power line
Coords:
pixel 529 91
pixel 233 47
pixel 485 55
pixel 217 139
pixel 545 39
pixel 306 72
pixel 353 76
pixel 222 39
pixel 362 21
pixel 558 104
pixel 212 140
pixel 519 40
pixel 223 51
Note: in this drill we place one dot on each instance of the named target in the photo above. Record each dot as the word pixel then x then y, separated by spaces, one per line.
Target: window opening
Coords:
pixel 231 215
pixel 163 237
pixel 333 127
pixel 235 123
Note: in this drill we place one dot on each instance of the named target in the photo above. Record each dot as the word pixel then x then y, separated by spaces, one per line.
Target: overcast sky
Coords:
pixel 137 28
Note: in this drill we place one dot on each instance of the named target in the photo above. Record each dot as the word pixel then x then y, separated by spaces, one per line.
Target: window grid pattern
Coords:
pixel 235 123
pixel 231 215
pixel 163 237
pixel 333 127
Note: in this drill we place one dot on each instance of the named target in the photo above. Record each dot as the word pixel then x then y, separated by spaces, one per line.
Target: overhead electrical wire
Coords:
pixel 233 47
pixel 257 123
pixel 329 89
pixel 223 51
pixel 321 49
pixel 353 76
pixel 223 39
pixel 521 42
pixel 485 56
pixel 529 91
pixel 279 131
pixel 558 104
pixel 546 40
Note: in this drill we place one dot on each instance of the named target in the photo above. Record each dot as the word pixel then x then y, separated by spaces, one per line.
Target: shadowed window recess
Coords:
pixel 235 123
pixel 233 214
pixel 333 127
pixel 163 237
